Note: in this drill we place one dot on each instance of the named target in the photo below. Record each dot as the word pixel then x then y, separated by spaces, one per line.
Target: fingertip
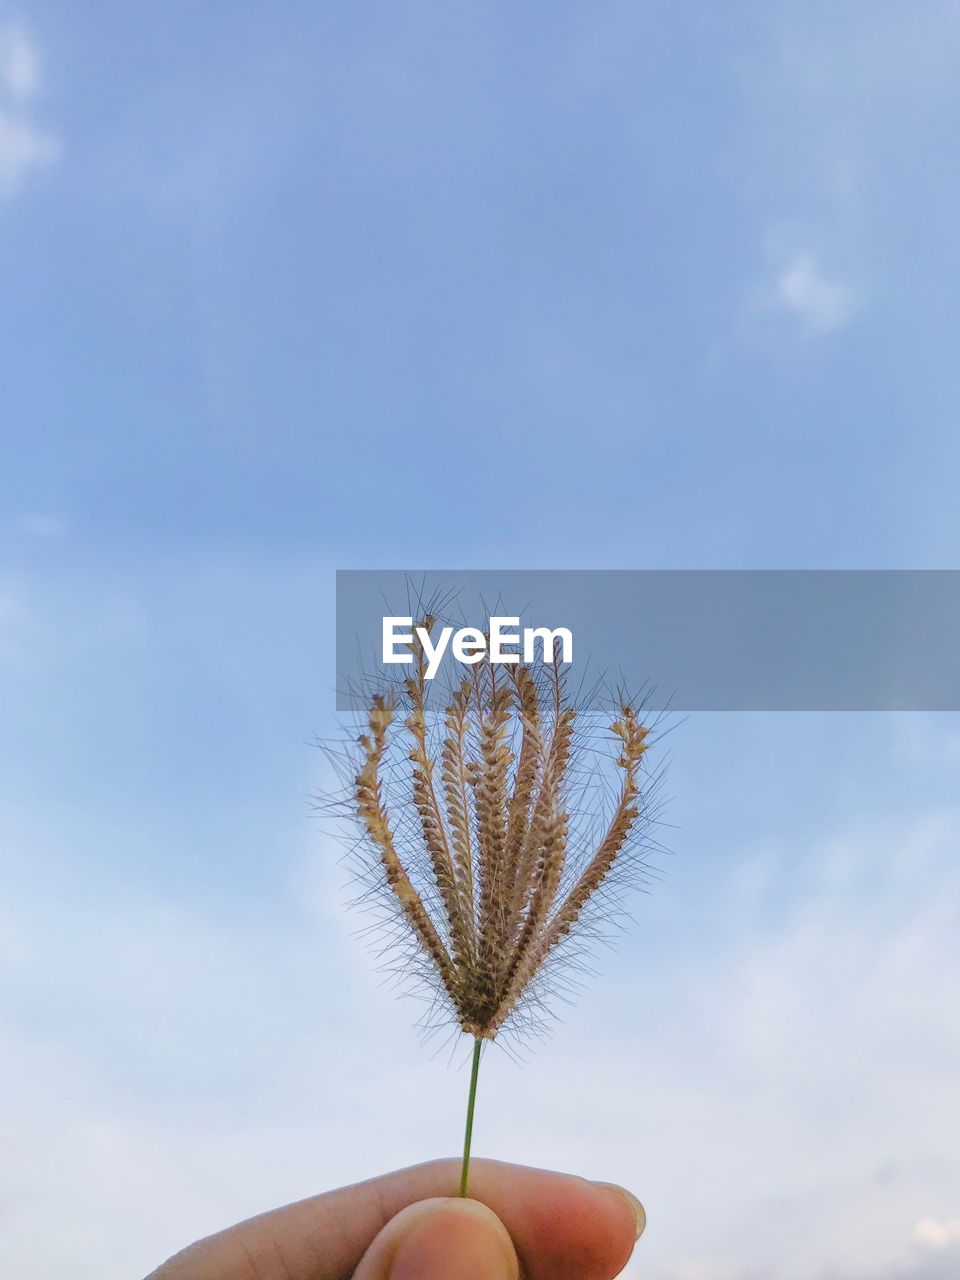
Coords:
pixel 572 1226
pixel 616 1221
pixel 637 1210
pixel 436 1238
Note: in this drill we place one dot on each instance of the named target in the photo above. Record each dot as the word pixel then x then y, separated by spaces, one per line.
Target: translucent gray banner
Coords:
pixel 697 640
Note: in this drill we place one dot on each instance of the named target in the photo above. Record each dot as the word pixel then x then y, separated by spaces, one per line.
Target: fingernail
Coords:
pixel 636 1208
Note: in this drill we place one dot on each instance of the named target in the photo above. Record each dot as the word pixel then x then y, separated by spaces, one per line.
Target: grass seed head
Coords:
pixel 494 827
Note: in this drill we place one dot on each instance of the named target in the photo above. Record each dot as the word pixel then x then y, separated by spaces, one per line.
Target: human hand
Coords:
pixel 409 1225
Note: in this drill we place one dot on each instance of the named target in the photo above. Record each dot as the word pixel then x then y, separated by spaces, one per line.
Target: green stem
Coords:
pixel 471 1103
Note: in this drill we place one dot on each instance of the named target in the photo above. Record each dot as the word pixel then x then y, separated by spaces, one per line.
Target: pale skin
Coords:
pixel 518 1224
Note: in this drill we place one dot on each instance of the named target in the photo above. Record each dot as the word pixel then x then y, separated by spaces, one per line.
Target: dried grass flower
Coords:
pixel 495 828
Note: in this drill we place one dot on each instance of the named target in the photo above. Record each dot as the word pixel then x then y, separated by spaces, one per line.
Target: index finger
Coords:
pixel 560 1225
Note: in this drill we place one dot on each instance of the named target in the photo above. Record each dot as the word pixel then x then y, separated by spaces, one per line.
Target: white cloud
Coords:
pixel 166 1074
pixel 820 302
pixel 19 64
pixel 937 1234
pixel 784 1102
pixel 24 145
pixel 759 1135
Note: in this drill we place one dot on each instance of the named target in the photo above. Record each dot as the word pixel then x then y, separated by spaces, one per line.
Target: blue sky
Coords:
pixel 292 288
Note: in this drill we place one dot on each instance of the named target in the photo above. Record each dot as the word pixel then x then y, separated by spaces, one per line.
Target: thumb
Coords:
pixel 441 1239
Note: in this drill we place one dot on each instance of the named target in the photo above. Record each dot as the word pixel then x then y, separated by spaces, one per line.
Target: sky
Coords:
pixel 293 288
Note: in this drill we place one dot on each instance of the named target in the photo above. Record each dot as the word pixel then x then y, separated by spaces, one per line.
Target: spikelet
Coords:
pixel 377 826
pixel 491 803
